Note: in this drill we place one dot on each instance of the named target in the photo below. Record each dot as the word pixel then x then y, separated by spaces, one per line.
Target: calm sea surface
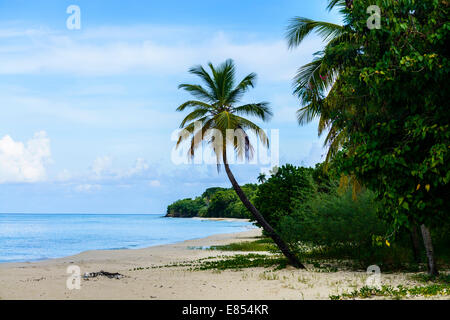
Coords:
pixel 31 237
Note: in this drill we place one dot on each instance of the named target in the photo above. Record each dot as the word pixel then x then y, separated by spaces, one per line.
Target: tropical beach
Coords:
pixel 289 150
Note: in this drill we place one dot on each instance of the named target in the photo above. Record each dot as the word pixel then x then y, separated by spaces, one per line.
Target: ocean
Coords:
pixel 33 237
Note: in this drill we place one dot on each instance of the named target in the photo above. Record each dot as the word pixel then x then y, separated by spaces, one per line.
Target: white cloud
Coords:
pixel 154 183
pixel 87 188
pixel 24 162
pixel 103 168
pixel 101 165
pixel 140 166
pixel 64 175
pixel 115 50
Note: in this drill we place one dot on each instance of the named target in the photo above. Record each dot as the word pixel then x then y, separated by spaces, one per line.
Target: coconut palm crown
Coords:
pixel 215 109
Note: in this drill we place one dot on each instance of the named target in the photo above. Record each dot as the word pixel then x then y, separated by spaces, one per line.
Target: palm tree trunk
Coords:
pixel 432 268
pixel 293 260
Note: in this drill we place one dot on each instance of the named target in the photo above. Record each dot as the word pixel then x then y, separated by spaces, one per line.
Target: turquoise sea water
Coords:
pixel 31 237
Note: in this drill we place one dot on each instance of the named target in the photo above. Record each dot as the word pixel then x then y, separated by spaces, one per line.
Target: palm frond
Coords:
pixel 334 3
pixel 190 129
pixel 224 79
pixel 241 144
pixel 241 88
pixel 194 115
pixel 249 125
pixel 260 110
pixel 198 136
pixel 307 114
pixel 194 103
pixel 225 120
pixel 201 72
pixel 299 28
pixel 335 140
pixel 197 91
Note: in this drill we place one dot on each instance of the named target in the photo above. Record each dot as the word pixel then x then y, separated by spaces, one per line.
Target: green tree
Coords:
pixel 225 203
pixel 262 178
pixel 215 109
pixel 185 208
pixel 282 191
pixel 390 100
pixel 221 202
pixel 210 192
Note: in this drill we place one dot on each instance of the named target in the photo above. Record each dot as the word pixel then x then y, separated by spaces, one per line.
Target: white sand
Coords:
pixel 47 279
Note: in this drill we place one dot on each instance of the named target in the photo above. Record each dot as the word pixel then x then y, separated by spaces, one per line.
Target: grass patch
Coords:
pixel 269 276
pixel 242 261
pixel 354 258
pixel 397 293
pixel 235 262
pixel 258 245
pixel 345 257
pixel 441 279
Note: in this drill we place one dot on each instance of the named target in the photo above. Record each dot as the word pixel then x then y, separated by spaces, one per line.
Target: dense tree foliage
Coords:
pixel 400 135
pixel 213 203
pixel 387 106
pixel 280 193
pixel 225 203
pixel 185 208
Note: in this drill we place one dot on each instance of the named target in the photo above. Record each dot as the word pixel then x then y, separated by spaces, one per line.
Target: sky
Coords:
pixel 88 115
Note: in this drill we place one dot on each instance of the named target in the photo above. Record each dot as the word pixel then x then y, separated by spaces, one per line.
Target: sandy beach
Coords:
pixel 47 279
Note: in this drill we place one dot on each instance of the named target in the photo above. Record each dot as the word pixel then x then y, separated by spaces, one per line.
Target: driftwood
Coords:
pixel 110 275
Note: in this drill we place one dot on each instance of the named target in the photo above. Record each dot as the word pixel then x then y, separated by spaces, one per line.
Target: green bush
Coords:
pixel 333 225
pixel 333 219
pixel 278 197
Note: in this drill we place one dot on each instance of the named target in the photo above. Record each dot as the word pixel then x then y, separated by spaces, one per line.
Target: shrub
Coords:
pixel 333 225
pixel 277 197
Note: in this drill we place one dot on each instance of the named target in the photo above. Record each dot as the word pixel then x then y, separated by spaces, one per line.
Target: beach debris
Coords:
pixel 110 275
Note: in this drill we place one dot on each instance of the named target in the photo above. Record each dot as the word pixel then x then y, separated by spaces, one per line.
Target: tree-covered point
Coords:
pixel 213 203
pixel 185 208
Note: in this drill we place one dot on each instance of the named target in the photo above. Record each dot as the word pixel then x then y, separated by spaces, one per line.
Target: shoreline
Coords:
pixel 160 272
pixel 212 219
pixel 250 227
pixel 69 257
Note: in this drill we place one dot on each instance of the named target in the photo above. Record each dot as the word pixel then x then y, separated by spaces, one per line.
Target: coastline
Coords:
pixel 211 219
pixel 138 233
pixel 146 276
pixel 222 219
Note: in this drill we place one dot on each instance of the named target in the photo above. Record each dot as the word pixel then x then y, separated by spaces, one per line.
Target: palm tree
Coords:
pixel 317 83
pixel 215 111
pixel 262 178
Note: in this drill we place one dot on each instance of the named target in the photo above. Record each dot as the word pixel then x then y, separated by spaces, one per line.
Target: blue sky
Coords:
pixel 87 115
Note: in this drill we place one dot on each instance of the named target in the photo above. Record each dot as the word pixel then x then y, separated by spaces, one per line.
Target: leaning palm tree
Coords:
pixel 214 114
pixel 262 178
